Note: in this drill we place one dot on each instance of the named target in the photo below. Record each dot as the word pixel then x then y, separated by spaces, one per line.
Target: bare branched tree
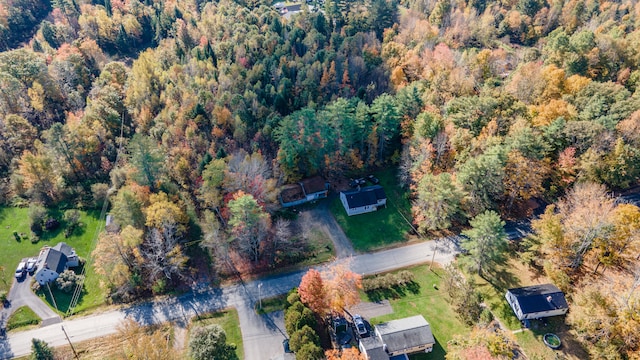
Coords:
pixel 162 253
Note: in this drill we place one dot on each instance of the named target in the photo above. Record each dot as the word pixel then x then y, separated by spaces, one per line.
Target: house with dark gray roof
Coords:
pixel 537 301
pixel 397 338
pixel 363 200
pixel 52 261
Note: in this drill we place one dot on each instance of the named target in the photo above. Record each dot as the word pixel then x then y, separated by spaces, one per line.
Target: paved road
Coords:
pixel 258 332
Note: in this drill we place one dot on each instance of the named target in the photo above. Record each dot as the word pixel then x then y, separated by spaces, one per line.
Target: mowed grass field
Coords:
pixel 12 251
pixel 431 303
pixel 383 228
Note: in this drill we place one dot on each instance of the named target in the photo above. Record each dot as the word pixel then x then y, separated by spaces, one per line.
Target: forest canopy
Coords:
pixel 188 116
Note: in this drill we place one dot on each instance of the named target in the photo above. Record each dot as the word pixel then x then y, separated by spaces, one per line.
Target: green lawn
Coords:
pixel 230 322
pixel 23 317
pixel 430 303
pixel 17 219
pixel 381 228
pixel 269 305
pixel 515 274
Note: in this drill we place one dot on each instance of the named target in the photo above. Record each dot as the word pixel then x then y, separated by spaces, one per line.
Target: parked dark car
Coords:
pixel 372 179
pixel 285 345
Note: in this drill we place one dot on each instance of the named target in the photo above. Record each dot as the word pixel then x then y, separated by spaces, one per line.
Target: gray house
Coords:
pixel 397 338
pixel 363 200
pixel 54 260
pixel 537 301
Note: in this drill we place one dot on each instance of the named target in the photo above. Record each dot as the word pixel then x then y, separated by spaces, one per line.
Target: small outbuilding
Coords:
pixel 363 200
pixel 537 301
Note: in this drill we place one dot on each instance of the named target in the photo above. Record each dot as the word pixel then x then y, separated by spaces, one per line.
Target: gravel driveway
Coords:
pixel 320 217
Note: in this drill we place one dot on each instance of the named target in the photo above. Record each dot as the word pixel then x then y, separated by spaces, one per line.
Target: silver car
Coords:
pixel 359 323
pixel 31 265
pixel 21 269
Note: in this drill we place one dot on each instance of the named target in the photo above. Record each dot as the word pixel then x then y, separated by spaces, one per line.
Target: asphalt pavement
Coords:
pixel 262 338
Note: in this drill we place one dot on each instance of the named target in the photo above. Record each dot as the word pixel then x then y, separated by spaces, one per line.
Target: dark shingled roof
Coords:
pixel 365 196
pixel 63 248
pixel 538 298
pixel 55 260
pixel 405 333
pixel 314 185
pixel 375 349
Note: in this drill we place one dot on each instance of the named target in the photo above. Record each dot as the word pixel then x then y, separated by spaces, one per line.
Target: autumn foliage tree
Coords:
pixel 312 292
pixel 333 290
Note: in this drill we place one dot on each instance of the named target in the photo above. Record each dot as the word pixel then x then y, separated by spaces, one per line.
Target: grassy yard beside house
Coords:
pixel 229 321
pixel 431 303
pixel 17 219
pixel 381 228
pixel 514 274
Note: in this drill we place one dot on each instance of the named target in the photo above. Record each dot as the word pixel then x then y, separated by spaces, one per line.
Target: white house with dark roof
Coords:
pixel 397 338
pixel 52 261
pixel 363 200
pixel 537 301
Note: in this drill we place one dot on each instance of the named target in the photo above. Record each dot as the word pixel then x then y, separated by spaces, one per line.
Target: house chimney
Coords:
pixel 550 301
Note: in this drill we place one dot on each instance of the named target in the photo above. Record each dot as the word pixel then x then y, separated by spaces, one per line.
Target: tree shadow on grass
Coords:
pixel 503 279
pixel 557 325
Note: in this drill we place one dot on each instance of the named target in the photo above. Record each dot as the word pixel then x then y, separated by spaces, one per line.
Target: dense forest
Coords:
pixel 188 116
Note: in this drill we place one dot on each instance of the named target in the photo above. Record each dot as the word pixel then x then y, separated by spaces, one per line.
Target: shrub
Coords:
pixel 3 296
pixel 34 238
pixel 68 280
pixel 51 224
pixel 211 343
pixel 17 236
pixel 387 281
pixel 293 297
pixel 72 220
pixel 37 214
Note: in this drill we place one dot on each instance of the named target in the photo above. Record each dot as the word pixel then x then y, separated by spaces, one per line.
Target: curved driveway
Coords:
pixel 20 294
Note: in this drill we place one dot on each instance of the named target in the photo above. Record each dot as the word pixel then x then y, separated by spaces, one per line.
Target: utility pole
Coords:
pixel 260 294
pixel 52 298
pixel 70 344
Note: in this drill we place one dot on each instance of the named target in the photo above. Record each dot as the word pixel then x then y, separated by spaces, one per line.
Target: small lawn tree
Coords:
pixel 211 343
pixel 68 280
pixel 486 243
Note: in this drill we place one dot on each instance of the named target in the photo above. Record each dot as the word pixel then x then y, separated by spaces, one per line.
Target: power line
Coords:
pixel 101 220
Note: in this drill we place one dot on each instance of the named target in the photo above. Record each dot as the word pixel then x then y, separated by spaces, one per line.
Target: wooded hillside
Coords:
pixel 189 115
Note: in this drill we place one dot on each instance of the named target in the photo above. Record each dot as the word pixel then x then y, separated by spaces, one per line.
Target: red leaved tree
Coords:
pixel 312 292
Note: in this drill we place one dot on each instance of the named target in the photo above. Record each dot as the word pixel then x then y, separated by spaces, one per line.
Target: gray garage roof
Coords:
pixel 405 333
